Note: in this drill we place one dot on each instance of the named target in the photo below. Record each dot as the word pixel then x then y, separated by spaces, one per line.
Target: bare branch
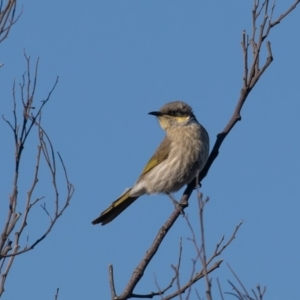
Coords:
pixel 220 289
pixel 219 251
pixel 248 82
pixel 44 145
pixel 139 270
pixel 201 204
pixel 196 278
pixel 111 281
pixel 239 281
pixel 199 250
pixel 8 17
pixel 282 16
pixel 243 294
pixel 176 272
pixel 177 280
pixel 31 119
pixel 252 72
pixel 56 294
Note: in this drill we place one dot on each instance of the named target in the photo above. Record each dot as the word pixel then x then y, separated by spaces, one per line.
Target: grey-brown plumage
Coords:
pixel 177 161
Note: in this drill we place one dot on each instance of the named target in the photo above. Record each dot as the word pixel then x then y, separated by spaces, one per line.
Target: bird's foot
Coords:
pixel 177 204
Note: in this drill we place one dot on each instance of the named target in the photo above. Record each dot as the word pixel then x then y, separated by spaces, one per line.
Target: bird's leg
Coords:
pixel 197 183
pixel 176 204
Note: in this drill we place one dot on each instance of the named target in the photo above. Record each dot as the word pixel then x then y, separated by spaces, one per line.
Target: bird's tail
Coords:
pixel 115 208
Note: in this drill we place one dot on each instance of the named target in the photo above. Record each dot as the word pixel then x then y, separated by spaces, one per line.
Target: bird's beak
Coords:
pixel 155 113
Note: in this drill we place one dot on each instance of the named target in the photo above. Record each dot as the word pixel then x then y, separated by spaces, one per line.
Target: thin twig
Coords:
pixel 201 204
pixel 31 119
pixel 243 294
pixel 8 18
pixel 239 281
pixel 56 294
pixel 111 281
pixel 220 289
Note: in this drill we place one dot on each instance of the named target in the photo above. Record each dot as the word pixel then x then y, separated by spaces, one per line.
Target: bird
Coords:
pixel 177 161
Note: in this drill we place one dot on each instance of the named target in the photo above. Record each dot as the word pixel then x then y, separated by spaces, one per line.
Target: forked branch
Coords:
pixel 7 17
pixel 31 121
pixel 241 293
pixel 252 72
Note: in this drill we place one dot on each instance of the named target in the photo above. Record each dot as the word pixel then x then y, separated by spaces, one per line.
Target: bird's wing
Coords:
pixel 158 157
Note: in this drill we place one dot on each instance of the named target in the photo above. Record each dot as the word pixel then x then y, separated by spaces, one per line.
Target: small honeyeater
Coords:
pixel 177 161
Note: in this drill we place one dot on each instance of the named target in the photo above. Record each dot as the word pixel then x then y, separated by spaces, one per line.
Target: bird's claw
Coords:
pixel 178 205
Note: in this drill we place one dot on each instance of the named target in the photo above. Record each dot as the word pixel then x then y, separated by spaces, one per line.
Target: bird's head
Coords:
pixel 174 114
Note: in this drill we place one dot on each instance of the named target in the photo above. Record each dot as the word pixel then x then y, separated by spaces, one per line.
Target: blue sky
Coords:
pixel 116 61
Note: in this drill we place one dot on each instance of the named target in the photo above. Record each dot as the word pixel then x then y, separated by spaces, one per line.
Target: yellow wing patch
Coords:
pixel 159 156
pixel 153 162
